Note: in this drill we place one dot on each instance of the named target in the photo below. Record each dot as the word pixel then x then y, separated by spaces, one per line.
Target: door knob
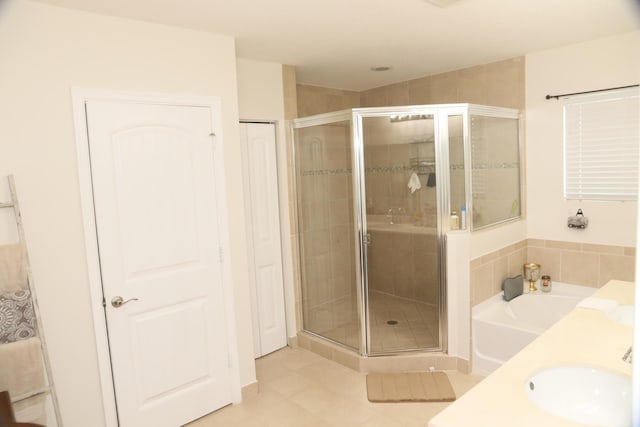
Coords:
pixel 119 301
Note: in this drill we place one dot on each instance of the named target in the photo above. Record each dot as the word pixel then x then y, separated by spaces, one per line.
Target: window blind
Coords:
pixel 601 139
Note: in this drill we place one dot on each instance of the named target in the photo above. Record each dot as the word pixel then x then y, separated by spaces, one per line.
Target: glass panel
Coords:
pixel 326 232
pixel 402 257
pixel 456 169
pixel 495 164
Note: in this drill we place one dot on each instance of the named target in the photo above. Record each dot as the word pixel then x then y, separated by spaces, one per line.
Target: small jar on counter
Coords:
pixel 545 283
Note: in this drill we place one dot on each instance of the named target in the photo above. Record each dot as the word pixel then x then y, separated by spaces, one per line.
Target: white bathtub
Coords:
pixel 500 329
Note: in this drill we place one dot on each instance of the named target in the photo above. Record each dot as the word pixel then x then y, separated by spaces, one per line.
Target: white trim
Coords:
pixel 255 321
pixel 79 98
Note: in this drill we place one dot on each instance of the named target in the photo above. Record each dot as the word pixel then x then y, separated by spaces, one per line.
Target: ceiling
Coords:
pixel 334 43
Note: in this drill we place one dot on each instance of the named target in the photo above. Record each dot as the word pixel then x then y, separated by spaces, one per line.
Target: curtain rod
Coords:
pixel 588 91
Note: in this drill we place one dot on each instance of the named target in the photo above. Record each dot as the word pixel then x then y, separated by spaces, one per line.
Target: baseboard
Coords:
pixel 250 390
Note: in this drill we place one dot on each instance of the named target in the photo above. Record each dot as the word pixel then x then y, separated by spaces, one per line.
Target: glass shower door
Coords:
pixel 326 231
pixel 402 260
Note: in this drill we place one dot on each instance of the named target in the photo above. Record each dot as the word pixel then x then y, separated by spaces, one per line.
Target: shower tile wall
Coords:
pixel 499 83
pixel 317 100
pixel 388 169
pixel 403 265
pixel 402 259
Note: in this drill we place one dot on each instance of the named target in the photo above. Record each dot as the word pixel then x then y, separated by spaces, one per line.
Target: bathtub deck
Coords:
pixel 584 337
pixel 501 329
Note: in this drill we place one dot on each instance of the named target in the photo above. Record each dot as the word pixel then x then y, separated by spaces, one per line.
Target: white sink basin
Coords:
pixel 584 395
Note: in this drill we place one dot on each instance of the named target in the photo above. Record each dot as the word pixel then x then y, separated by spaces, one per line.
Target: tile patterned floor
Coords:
pixel 299 388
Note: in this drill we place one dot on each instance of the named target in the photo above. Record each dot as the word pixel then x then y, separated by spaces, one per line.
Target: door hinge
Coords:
pixel 367 239
pixel 104 303
pixel 221 254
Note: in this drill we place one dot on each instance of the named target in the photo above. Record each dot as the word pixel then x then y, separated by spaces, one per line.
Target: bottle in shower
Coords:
pixel 463 217
pixel 455 221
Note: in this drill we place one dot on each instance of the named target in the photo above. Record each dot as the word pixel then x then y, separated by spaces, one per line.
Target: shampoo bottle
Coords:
pixel 463 217
pixel 455 221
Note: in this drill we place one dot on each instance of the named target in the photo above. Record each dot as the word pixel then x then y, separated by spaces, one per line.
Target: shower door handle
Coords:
pixel 366 239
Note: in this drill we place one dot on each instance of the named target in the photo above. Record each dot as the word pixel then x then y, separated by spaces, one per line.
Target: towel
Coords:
pixel 431 180
pixel 602 304
pixel 22 372
pixel 414 183
pixel 13 271
pixel 33 409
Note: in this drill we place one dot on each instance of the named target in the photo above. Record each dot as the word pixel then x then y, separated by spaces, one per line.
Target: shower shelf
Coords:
pixel 420 162
pixel 421 165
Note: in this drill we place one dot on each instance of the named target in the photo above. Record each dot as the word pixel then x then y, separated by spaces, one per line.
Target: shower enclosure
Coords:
pixel 376 189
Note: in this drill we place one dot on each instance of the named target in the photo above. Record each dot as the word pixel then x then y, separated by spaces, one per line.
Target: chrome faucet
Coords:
pixel 628 355
pixel 390 215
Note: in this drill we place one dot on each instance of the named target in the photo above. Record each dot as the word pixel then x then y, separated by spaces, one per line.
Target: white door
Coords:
pixel 263 214
pixel 154 185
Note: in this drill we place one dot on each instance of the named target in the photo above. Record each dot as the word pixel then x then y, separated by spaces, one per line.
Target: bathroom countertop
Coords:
pixel 584 337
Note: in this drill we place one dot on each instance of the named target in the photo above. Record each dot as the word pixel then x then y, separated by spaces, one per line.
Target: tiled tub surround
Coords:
pixel 486 273
pixel 582 263
pixel 569 262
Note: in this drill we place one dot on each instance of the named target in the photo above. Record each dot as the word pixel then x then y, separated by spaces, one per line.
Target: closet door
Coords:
pixel 263 223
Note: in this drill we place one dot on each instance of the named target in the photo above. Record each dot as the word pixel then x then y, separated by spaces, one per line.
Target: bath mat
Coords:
pixel 410 387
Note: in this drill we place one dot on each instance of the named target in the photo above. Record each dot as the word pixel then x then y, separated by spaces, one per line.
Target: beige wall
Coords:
pixel 599 64
pixel 261 97
pixel 260 91
pixel 44 51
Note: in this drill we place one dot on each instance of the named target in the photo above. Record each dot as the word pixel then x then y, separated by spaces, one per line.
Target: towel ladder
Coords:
pixel 22 241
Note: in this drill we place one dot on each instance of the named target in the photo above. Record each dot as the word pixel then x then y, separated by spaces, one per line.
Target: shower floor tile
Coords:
pixel 415 324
